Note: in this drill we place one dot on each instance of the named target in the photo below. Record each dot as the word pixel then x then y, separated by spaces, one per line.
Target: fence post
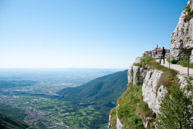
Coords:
pixel 188 65
pixel 169 61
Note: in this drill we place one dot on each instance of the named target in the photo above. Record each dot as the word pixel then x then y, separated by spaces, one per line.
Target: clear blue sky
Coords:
pixel 83 33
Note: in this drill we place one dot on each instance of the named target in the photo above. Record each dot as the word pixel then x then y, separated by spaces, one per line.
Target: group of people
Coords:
pixel 163 53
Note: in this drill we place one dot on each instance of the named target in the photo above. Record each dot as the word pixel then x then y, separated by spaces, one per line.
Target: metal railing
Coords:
pixel 157 54
pixel 188 63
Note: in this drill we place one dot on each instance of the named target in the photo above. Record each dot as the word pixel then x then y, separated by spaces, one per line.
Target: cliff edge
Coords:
pixel 149 85
pixel 182 37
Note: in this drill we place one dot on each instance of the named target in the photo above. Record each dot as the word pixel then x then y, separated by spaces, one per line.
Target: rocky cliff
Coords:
pixel 182 37
pixel 148 83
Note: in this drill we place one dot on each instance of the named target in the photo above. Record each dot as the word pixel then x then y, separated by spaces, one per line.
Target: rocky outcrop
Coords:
pixel 119 124
pixel 109 123
pixel 182 37
pixel 136 74
pixel 151 91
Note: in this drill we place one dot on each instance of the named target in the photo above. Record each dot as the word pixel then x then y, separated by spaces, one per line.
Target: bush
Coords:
pixel 176 109
pixel 184 62
pixel 188 16
pixel 172 61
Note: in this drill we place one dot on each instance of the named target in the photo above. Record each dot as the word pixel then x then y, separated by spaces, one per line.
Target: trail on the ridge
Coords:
pixel 182 70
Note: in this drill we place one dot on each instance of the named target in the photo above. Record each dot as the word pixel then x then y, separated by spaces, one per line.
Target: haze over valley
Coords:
pixel 31 96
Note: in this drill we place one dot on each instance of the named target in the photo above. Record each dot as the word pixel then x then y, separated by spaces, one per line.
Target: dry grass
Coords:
pixel 168 77
pixel 113 120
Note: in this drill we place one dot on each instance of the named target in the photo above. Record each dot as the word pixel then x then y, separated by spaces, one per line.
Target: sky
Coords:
pixel 83 33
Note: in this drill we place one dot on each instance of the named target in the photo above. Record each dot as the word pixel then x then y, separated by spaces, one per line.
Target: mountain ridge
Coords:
pixel 7 122
pixel 107 87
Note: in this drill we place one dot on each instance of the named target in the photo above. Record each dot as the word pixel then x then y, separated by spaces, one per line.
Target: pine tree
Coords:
pixel 176 110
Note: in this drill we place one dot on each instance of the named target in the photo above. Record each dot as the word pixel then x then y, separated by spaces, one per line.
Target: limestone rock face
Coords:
pixel 109 123
pixel 151 91
pixel 182 37
pixel 136 74
pixel 119 124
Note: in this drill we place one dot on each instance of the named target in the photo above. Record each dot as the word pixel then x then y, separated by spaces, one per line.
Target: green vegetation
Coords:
pixel 75 115
pixel 101 93
pixel 71 109
pixel 182 61
pixel 173 61
pixel 190 13
pixel 13 112
pixel 9 84
pixel 176 109
pixel 10 123
pixel 149 63
pixel 132 109
pixel 113 120
pixel 103 90
pixel 168 76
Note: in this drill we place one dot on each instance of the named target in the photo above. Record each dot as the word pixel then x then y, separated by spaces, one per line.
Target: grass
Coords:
pixel 149 63
pixel 113 120
pixel 183 62
pixel 168 76
pixel 132 109
pixel 189 15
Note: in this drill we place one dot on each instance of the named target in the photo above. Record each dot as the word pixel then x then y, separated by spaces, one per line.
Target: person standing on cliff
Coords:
pixel 163 55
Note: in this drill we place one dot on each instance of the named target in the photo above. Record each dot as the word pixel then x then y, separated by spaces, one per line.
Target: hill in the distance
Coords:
pixel 7 122
pixel 101 91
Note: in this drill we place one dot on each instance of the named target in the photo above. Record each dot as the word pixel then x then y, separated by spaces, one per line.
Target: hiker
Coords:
pixel 163 53
pixel 155 52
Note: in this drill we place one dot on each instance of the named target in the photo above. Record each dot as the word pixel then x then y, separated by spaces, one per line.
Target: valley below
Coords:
pixel 33 98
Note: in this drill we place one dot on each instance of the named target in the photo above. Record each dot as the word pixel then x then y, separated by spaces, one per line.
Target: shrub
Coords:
pixel 174 61
pixel 189 15
pixel 184 62
pixel 187 8
pixel 176 109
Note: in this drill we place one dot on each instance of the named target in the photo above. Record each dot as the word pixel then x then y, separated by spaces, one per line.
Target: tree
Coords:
pixel 176 110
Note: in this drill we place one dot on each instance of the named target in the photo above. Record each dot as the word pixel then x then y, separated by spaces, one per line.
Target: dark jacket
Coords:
pixel 163 52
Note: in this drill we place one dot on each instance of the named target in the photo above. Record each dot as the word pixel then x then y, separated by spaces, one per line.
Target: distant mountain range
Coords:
pixel 101 91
